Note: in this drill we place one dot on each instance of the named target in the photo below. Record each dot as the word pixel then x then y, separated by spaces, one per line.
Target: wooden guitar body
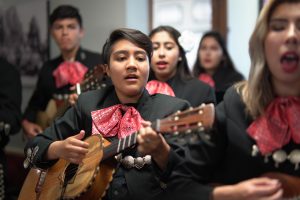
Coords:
pixel 90 180
pixel 54 109
pixel 290 184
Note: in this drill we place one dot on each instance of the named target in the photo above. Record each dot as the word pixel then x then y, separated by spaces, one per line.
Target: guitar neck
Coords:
pixel 198 118
pixel 120 145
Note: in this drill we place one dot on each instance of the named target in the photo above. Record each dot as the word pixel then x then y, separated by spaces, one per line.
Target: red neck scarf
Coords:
pixel 110 121
pixel 207 79
pixel 278 126
pixel 155 87
pixel 69 72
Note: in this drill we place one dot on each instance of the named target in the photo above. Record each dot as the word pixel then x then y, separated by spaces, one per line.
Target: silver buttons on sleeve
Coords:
pixel 4 128
pixel 2 186
pixel 30 154
pixel 129 161
pixel 280 156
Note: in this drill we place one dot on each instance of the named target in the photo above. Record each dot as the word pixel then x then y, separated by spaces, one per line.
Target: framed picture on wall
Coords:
pixel 24 36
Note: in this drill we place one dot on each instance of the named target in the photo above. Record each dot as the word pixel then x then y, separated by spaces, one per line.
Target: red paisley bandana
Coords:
pixel 110 121
pixel 69 72
pixel 207 79
pixel 155 87
pixel 279 125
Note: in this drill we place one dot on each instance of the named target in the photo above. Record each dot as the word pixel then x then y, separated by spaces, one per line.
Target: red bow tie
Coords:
pixel 69 73
pixel 278 126
pixel 110 121
pixel 155 87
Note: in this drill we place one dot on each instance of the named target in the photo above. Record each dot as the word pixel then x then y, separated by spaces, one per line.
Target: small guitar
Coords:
pixel 56 107
pixel 290 184
pixel 91 179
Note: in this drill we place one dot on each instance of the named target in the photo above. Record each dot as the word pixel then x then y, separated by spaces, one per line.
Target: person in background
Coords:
pixel 254 151
pixel 213 64
pixel 116 112
pixel 169 69
pixel 10 115
pixel 59 74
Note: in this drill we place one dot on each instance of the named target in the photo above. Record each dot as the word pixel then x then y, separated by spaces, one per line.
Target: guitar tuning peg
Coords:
pixel 176 118
pixel 200 112
pixel 188 131
pixel 191 108
pixel 199 124
pixel 178 111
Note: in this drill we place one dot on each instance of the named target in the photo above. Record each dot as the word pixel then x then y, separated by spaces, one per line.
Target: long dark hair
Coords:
pixel 182 66
pixel 226 61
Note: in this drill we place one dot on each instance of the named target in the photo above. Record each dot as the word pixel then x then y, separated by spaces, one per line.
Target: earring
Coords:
pixel 180 58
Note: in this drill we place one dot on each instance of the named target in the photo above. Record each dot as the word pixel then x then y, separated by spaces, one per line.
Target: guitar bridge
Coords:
pixel 41 180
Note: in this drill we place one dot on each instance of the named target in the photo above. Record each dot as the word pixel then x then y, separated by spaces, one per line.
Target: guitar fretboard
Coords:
pixel 117 146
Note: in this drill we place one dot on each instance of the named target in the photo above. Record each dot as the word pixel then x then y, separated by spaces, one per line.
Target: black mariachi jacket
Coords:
pixel 228 156
pixel 46 88
pixel 10 101
pixel 143 183
pixel 191 89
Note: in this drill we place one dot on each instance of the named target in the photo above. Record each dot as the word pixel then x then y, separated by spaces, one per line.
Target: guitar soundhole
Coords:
pixel 69 174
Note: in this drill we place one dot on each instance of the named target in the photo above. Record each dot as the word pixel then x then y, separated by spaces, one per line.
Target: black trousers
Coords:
pixel 3 174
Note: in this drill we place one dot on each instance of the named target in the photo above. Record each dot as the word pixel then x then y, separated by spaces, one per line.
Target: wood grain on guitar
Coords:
pixel 55 108
pixel 91 179
pixel 290 184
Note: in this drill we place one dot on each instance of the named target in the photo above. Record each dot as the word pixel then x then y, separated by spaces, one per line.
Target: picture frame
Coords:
pixel 24 37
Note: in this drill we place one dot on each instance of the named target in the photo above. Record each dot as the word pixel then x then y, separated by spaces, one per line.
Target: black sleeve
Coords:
pixel 177 150
pixel 40 96
pixel 210 96
pixel 200 154
pixel 62 128
pixel 10 100
pixel 201 93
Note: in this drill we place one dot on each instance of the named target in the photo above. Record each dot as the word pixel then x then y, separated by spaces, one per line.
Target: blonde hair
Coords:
pixel 258 92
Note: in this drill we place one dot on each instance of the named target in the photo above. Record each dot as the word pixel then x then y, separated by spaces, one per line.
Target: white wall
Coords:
pixel 137 15
pixel 100 17
pixel 241 20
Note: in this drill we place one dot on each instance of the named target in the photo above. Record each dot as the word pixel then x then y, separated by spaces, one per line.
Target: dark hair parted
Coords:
pixel 226 61
pixel 182 66
pixel 134 36
pixel 64 12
